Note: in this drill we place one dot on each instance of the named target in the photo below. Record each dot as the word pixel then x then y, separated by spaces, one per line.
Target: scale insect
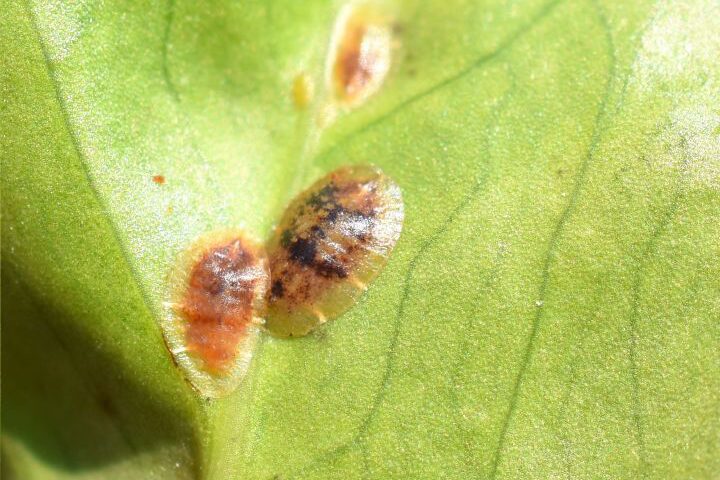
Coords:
pixel 333 240
pixel 213 321
pixel 360 54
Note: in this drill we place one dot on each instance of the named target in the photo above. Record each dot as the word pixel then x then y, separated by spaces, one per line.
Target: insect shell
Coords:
pixel 211 326
pixel 360 53
pixel 333 240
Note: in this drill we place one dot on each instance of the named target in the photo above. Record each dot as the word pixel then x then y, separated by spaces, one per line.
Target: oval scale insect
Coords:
pixel 360 53
pixel 333 239
pixel 212 324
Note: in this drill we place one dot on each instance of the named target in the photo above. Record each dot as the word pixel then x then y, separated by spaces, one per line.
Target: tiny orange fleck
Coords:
pixel 159 179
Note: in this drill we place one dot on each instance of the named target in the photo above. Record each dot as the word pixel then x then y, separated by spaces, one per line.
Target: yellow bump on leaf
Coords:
pixel 302 91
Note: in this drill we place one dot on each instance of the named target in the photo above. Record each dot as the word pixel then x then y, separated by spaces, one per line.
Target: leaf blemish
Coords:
pixel 212 324
pixel 360 54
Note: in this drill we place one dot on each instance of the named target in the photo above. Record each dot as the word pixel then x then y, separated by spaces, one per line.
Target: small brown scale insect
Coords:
pixel 220 302
pixel 334 239
pixel 360 53
pixel 212 324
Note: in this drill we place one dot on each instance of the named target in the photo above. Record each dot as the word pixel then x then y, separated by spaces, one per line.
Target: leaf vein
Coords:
pixel 169 18
pixel 647 252
pixel 552 247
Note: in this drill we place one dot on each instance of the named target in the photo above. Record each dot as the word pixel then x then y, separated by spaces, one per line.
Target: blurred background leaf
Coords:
pixel 551 309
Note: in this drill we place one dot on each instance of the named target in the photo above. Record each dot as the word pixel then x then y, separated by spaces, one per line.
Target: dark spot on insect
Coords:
pixel 303 251
pixel 330 267
pixel 333 213
pixel 317 231
pixel 285 238
pixel 277 289
pixel 322 197
pixel 159 179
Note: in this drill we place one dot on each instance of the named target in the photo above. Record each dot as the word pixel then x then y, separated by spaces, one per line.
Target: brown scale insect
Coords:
pixel 360 54
pixel 333 239
pixel 212 325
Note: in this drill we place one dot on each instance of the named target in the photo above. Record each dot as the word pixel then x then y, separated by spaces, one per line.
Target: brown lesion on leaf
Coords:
pixel 220 301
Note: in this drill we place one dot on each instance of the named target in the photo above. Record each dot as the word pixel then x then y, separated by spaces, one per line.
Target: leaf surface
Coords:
pixel 550 311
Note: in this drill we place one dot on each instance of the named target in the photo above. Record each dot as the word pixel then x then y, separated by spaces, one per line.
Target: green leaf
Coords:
pixel 550 311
